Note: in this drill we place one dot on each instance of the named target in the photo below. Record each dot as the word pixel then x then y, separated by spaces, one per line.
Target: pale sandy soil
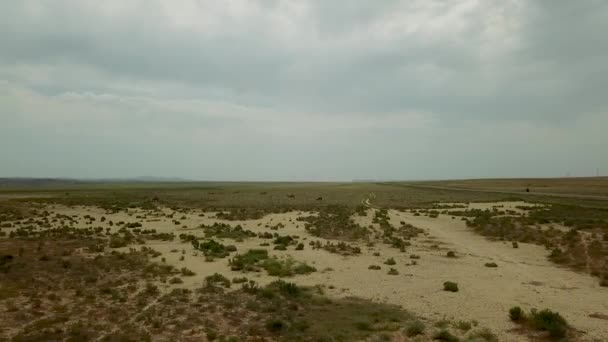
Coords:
pixel 523 277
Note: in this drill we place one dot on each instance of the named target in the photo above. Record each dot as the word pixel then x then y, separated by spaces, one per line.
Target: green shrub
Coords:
pixel 213 248
pixel 284 288
pixel 516 314
pixel 483 335
pixel 515 244
pixel 286 268
pixel 450 286
pixel 414 328
pixel 176 280
pixel 362 325
pixel 217 279
pixel 390 261
pixel 187 272
pixel 247 261
pixel 451 254
pixel 491 264
pixel 550 321
pixel 463 325
pixel 444 335
pixel 239 280
pixel 393 271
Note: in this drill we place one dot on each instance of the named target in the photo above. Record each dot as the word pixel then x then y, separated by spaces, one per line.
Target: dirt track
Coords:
pixel 524 277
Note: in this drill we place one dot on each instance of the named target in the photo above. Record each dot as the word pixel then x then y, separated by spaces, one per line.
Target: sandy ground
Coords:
pixel 523 277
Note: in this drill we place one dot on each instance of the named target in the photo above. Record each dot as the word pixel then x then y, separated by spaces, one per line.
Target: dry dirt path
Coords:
pixel 524 277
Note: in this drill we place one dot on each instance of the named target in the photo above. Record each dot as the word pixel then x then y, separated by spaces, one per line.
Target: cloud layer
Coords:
pixel 307 90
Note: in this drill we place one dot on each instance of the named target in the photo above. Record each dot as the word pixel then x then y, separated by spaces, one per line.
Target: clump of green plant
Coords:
pixel 226 231
pixel 516 314
pixel 451 254
pixel 341 248
pixel 176 280
pixel 239 280
pixel 249 261
pixel 450 286
pixel 217 279
pixel 491 264
pixel 483 335
pixel 463 325
pixel 214 249
pixel 257 259
pixel 393 271
pixel 186 272
pixel 374 267
pixel 239 214
pixel 390 262
pixel 545 320
pixel 286 268
pixel 414 328
pixel 334 222
pixel 445 335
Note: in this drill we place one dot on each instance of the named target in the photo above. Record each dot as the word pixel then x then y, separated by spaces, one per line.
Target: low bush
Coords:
pixel 187 272
pixel 444 335
pixel 450 286
pixel 544 320
pixel 239 280
pixel 217 279
pixel 483 335
pixel 176 280
pixel 414 328
pixel 516 314
pixel 549 321
pixel 390 262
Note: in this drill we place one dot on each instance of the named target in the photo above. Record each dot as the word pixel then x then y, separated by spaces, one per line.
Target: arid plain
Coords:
pixel 303 261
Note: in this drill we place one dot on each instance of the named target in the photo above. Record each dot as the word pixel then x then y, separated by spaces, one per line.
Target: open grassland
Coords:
pixel 586 186
pixel 300 261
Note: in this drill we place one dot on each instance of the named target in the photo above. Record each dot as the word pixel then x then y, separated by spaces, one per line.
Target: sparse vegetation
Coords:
pixel 255 260
pixel 545 320
pixel 213 249
pixel 55 266
pixel 414 328
pixel 445 335
pixel 334 222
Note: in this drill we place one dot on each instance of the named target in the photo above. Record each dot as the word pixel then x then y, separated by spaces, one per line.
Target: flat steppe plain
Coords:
pixel 415 238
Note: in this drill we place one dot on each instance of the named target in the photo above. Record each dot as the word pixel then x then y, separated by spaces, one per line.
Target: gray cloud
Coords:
pixel 360 85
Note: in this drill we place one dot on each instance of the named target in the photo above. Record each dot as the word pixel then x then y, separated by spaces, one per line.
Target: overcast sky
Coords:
pixel 303 90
